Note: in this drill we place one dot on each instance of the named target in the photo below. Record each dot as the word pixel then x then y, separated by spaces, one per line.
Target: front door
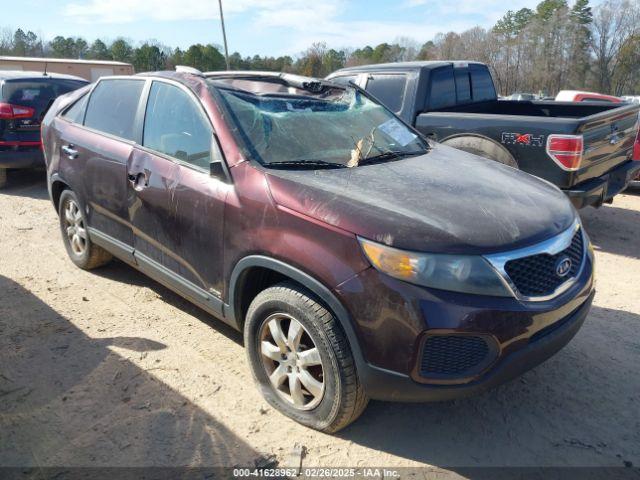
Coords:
pixel 176 207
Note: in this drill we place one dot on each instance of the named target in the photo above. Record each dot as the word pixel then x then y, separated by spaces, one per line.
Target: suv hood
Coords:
pixel 444 201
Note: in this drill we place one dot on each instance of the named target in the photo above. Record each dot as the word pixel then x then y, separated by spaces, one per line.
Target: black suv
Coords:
pixel 25 97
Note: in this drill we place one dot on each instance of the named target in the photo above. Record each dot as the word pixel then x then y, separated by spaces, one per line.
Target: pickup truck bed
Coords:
pixel 455 103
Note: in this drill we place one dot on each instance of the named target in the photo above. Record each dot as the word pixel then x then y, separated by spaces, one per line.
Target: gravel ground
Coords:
pixel 111 369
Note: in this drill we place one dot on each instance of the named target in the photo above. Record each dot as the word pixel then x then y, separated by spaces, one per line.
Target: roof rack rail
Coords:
pixel 191 70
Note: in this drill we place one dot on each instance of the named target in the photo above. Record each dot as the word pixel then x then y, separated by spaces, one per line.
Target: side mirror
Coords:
pixel 217 170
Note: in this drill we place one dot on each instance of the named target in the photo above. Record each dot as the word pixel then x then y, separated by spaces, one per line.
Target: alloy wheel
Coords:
pixel 75 228
pixel 292 361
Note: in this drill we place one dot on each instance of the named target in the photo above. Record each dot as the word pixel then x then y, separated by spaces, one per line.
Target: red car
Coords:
pixel 578 96
pixel 636 156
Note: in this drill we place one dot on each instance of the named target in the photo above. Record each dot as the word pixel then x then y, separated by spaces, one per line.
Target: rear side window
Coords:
pixel 389 89
pixel 463 85
pixel 443 88
pixel 75 114
pixel 176 126
pixel 481 84
pixel 112 107
pixel 37 93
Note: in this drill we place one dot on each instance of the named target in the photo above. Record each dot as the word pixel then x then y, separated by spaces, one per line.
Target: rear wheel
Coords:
pixel 301 360
pixel 3 177
pixel 483 147
pixel 73 226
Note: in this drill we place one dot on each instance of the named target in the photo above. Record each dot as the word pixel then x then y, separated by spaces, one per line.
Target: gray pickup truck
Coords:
pixel 586 149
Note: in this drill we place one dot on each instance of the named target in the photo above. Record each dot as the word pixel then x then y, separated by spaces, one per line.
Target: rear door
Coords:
pixel 176 207
pixel 23 104
pixel 97 137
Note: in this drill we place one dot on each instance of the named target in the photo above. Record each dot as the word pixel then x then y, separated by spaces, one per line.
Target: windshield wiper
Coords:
pixel 312 164
pixel 391 154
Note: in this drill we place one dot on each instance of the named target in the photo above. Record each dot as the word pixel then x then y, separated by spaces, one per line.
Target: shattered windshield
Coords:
pixel 335 128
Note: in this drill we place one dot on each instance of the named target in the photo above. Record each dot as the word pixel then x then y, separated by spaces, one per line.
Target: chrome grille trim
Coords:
pixel 552 246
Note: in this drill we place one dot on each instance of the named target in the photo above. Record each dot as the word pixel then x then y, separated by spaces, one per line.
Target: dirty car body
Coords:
pixel 442 284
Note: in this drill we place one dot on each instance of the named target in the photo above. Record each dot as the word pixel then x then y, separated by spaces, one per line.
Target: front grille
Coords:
pixel 453 355
pixel 536 275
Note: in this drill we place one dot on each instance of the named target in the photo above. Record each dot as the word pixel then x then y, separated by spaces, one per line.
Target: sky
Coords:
pixel 264 27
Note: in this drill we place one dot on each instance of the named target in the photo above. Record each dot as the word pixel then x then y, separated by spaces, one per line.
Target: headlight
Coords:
pixel 458 273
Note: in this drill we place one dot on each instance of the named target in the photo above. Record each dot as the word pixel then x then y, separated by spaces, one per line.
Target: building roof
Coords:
pixel 63 60
pixel 22 74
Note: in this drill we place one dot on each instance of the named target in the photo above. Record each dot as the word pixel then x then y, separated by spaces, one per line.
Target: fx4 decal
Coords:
pixel 526 139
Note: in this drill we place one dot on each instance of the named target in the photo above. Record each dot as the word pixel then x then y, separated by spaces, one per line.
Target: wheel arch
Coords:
pixel 472 142
pixel 56 186
pixel 240 296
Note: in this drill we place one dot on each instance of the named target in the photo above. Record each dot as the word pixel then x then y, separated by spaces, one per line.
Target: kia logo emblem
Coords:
pixel 563 267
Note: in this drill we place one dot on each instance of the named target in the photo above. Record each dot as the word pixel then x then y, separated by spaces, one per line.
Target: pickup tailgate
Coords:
pixel 609 138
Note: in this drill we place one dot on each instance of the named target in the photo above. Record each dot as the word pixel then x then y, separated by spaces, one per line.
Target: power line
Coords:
pixel 224 35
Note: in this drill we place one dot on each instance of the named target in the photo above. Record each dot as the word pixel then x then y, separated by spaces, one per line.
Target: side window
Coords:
pixel 344 80
pixel 443 89
pixel 463 85
pixel 112 107
pixel 389 89
pixel 481 84
pixel 75 114
pixel 176 126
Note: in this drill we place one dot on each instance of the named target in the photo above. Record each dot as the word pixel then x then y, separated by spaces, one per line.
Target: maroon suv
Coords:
pixel 360 260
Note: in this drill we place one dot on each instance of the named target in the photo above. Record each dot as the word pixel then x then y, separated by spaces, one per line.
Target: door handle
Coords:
pixel 70 151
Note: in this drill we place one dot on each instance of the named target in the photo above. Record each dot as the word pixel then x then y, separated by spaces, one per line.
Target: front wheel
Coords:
pixel 301 360
pixel 73 226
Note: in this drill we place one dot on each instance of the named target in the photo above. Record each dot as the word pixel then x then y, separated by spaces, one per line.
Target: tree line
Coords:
pixel 556 46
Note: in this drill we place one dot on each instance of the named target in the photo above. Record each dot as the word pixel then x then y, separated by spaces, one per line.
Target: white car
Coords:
pixel 631 98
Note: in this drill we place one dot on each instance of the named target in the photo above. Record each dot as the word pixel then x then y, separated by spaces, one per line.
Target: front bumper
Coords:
pixel 596 191
pixel 21 158
pixel 382 384
pixel 392 317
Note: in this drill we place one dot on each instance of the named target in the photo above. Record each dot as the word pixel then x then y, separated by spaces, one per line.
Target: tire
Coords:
pixel 3 177
pixel 84 253
pixel 483 147
pixel 342 399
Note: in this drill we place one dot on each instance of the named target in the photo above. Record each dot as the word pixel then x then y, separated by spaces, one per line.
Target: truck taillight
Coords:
pixel 636 147
pixel 13 112
pixel 566 150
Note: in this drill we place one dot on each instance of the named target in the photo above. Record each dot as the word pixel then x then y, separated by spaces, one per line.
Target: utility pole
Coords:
pixel 224 35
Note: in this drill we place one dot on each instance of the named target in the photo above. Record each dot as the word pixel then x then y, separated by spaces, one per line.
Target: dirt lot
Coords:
pixel 110 368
